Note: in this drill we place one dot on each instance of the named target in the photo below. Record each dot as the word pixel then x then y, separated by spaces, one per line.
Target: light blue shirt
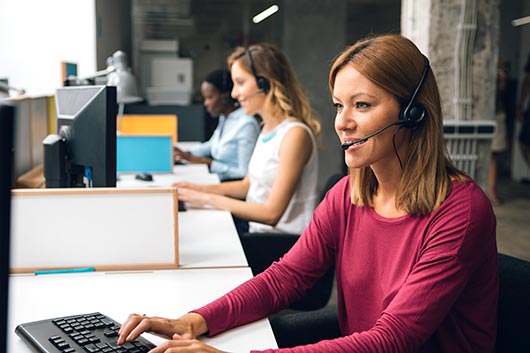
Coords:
pixel 231 145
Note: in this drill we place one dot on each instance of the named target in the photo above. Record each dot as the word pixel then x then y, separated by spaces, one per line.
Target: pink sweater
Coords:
pixel 407 284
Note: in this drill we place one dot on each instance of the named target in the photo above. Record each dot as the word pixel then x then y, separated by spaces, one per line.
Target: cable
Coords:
pixel 394 144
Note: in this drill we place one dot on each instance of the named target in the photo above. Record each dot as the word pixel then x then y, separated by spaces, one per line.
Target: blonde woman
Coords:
pixel 279 192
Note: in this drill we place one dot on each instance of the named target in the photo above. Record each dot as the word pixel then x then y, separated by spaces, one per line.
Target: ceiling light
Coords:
pixel 265 13
pixel 521 21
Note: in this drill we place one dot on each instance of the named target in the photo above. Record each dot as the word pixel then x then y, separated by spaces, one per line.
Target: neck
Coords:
pixel 227 110
pixel 388 178
pixel 271 121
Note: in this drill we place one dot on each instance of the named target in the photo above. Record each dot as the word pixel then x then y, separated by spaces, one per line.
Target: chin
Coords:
pixel 354 163
pixel 249 111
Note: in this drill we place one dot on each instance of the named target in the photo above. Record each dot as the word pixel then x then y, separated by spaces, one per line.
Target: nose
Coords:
pixel 344 120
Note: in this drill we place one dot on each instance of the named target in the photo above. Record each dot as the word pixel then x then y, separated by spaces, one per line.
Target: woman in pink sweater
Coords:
pixel 411 237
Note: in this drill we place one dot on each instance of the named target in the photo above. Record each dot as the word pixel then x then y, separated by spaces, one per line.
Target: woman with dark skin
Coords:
pixel 227 153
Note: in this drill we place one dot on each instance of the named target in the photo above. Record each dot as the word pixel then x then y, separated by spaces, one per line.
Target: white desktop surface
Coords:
pixel 208 238
pixel 166 293
pixel 196 173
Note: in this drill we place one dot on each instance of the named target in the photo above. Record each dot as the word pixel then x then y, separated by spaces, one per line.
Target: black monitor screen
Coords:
pixel 7 116
pixel 83 152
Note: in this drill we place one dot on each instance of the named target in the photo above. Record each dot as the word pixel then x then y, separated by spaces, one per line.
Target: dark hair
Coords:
pixel 221 79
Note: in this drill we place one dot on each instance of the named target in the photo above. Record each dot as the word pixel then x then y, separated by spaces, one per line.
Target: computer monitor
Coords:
pixel 83 152
pixel 7 118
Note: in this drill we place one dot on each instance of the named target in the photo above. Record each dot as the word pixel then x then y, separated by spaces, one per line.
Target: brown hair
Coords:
pixel 285 96
pixel 395 64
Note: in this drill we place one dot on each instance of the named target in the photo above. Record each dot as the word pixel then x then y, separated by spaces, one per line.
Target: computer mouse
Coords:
pixel 144 177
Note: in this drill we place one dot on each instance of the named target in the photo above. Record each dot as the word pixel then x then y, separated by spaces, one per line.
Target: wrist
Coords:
pixel 198 325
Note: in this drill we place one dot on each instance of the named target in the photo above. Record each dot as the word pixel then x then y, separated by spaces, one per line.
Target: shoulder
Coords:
pixel 469 196
pixel 296 140
pixel 467 217
pixel 466 203
pixel 298 131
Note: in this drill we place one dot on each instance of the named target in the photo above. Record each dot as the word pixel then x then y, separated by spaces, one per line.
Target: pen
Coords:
pixel 65 270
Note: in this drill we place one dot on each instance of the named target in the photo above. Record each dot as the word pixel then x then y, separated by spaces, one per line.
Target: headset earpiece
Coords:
pixel 413 114
pixel 262 83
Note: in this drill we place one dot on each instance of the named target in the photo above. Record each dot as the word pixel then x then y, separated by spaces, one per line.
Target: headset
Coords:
pixel 411 116
pixel 414 113
pixel 264 84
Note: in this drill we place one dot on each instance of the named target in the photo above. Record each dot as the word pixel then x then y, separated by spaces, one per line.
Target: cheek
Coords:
pixel 337 123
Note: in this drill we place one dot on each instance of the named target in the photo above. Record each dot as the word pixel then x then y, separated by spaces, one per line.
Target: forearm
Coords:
pixel 261 213
pixel 226 171
pixel 199 160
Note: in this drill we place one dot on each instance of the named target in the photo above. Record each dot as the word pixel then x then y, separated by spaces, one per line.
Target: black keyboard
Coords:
pixel 87 333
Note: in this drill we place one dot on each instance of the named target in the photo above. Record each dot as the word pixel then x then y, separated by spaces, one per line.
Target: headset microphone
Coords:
pixel 411 116
pixel 347 145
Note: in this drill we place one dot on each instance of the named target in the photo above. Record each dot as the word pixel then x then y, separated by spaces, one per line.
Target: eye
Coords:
pixel 362 105
pixel 338 107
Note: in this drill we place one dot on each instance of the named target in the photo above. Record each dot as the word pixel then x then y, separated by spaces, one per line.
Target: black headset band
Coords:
pixel 251 62
pixel 420 84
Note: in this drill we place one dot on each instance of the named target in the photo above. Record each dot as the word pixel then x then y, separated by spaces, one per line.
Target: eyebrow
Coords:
pixel 352 97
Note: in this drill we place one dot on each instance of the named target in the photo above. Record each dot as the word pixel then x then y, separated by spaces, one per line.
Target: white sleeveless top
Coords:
pixel 262 171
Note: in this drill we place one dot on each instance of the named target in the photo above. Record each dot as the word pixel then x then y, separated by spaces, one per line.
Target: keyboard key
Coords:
pixel 88 333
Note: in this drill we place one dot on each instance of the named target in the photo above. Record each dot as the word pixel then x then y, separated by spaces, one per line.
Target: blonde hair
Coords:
pixel 285 96
pixel 395 64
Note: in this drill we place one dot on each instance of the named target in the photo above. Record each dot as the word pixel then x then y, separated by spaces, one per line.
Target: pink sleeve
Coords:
pixel 281 284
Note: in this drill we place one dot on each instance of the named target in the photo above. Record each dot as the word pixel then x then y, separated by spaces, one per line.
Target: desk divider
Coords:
pixel 102 229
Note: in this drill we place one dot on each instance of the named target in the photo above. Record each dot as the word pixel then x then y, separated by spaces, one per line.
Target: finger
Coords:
pixel 184 194
pixel 125 329
pixel 143 326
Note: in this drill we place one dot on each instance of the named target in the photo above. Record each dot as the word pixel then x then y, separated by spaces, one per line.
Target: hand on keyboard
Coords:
pixel 91 333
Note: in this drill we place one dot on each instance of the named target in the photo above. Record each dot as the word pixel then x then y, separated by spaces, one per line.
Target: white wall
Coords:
pixel 35 36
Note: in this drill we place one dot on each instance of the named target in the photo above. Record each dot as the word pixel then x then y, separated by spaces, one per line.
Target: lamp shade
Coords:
pixel 123 79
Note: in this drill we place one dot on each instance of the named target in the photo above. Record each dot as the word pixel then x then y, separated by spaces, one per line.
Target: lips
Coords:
pixel 354 142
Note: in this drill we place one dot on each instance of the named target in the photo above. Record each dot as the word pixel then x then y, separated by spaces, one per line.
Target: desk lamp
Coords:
pixel 5 88
pixel 124 80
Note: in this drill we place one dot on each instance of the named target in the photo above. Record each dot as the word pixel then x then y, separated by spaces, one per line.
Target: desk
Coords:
pixel 208 238
pixel 167 293
pixel 196 173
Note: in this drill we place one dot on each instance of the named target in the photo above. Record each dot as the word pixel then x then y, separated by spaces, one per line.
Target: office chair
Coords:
pixel 513 326
pixel 262 249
